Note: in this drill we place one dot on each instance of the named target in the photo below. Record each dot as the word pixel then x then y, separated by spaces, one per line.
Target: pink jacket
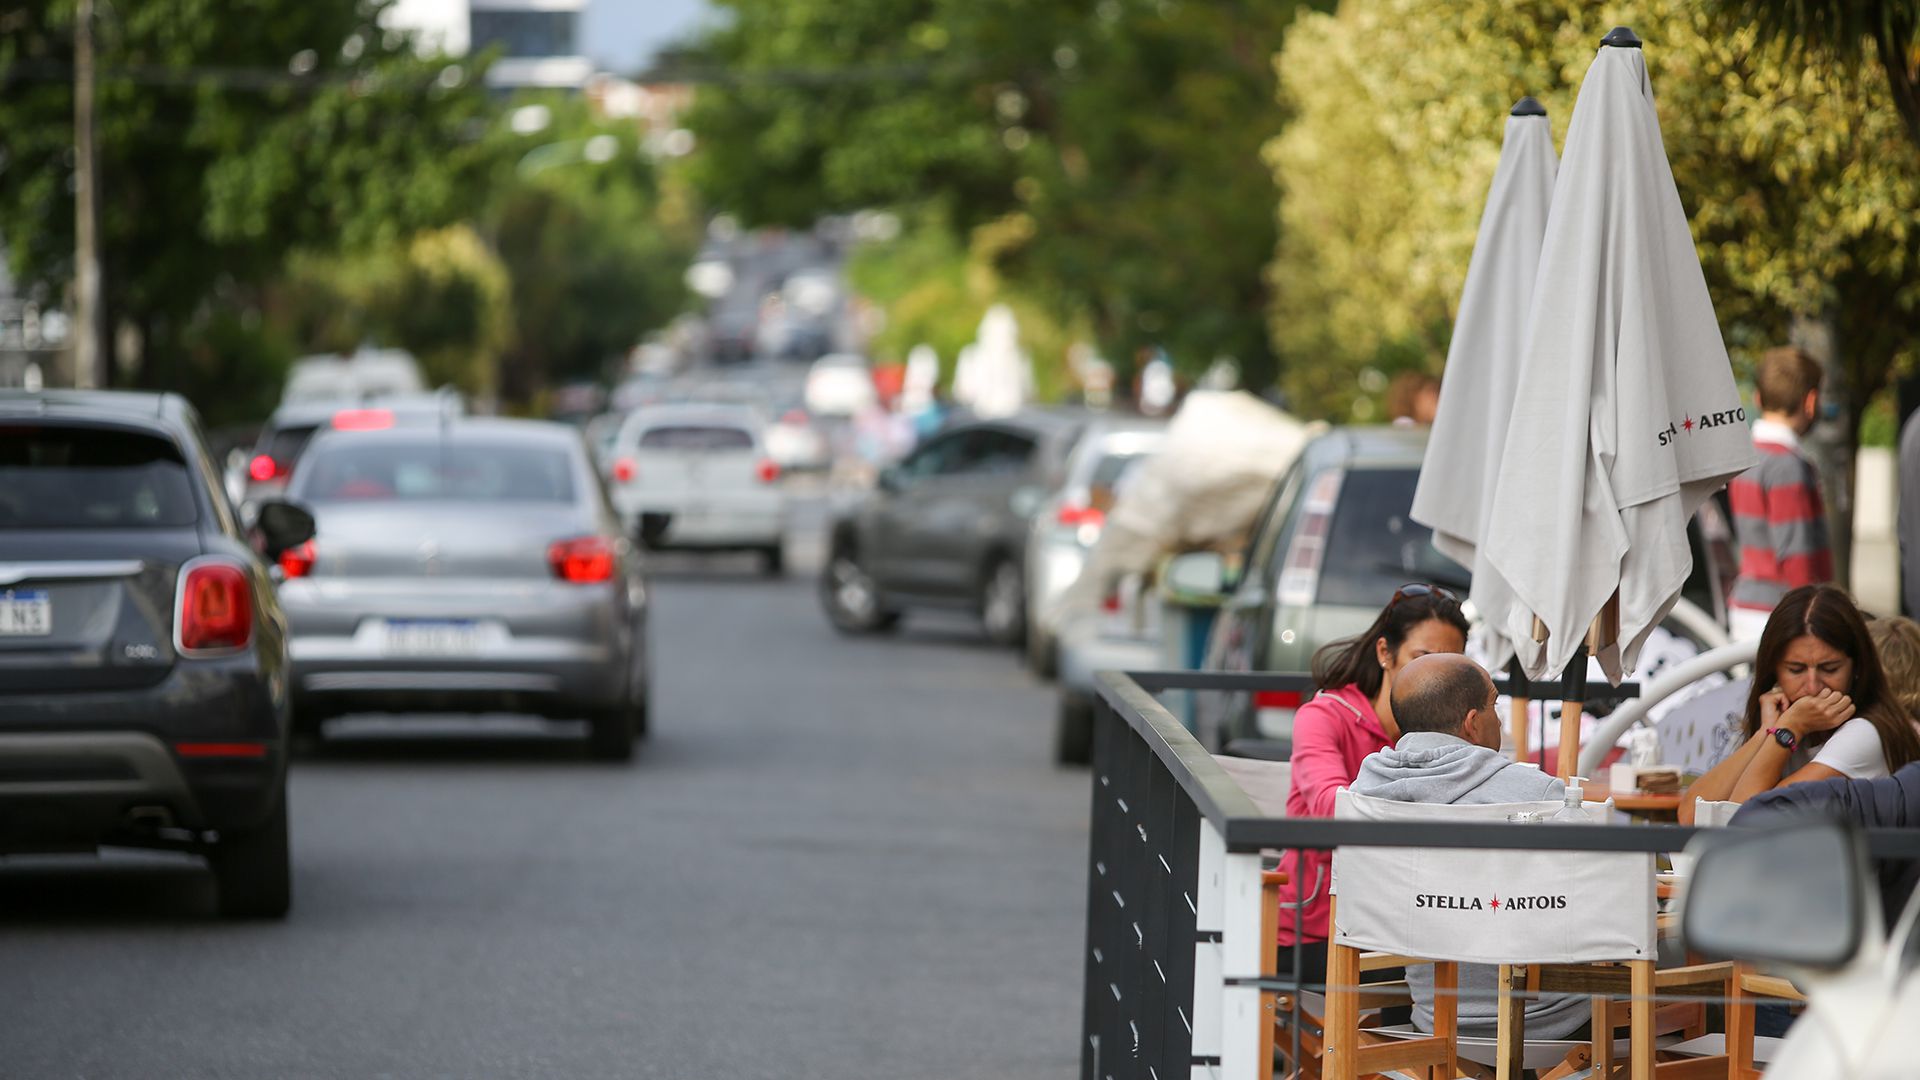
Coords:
pixel 1332 735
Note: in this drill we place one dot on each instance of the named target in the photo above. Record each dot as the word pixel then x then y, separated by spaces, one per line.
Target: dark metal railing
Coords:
pixel 1174 953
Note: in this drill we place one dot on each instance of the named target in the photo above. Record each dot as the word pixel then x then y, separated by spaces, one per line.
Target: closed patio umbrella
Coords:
pixel 1626 417
pixel 1454 496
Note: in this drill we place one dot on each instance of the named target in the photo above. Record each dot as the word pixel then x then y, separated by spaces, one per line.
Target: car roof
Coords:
pixel 319 412
pixel 96 404
pixel 491 428
pixel 1377 446
pixel 695 412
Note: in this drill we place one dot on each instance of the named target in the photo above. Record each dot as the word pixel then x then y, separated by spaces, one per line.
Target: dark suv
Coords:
pixel 143 656
pixel 947 527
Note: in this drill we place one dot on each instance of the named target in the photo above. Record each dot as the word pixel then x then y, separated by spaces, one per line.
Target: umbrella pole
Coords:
pixel 1521 705
pixel 1573 697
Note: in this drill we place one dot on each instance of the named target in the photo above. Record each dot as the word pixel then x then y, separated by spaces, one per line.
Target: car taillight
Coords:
pixel 1276 699
pixel 1074 517
pixel 263 468
pixel 1300 574
pixel 297 561
pixel 623 470
pixel 216 608
pixel 582 560
pixel 363 420
pixel 767 471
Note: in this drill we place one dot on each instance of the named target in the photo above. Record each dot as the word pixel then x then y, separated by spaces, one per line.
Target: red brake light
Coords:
pixel 1276 699
pixel 795 417
pixel 768 471
pixel 216 608
pixel 297 561
pixel 221 749
pixel 363 419
pixel 624 470
pixel 1073 517
pixel 582 560
pixel 263 468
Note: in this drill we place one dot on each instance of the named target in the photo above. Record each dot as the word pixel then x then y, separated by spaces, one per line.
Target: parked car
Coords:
pixel 1335 541
pixel 698 477
pixel 948 527
pixel 471 565
pixel 293 426
pixel 143 652
pixel 1069 523
pixel 797 443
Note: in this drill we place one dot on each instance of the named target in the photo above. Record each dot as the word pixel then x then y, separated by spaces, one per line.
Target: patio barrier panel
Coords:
pixel 1173 949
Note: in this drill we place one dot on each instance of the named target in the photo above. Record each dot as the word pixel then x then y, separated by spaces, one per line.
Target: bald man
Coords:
pixel 1449 752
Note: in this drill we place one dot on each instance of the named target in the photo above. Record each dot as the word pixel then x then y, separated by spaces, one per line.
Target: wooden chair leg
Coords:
pixel 1602 1031
pixel 1510 1032
pixel 1269 967
pixel 1641 982
pixel 1343 1014
pixel 1739 1032
pixel 1446 1017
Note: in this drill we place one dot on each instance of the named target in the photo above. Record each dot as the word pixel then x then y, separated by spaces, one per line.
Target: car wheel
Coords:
pixel 253 868
pixel 851 599
pixel 1073 730
pixel 611 733
pixel 1043 653
pixel 1003 604
pixel 773 561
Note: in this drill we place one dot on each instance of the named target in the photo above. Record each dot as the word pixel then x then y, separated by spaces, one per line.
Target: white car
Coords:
pixel 699 477
pixel 840 384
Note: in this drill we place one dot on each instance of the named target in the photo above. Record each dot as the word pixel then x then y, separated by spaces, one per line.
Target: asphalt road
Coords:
pixel 834 858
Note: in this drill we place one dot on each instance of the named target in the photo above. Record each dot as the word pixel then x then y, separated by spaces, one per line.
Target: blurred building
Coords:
pixel 538 40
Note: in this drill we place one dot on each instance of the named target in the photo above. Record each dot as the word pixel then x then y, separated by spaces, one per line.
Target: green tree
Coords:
pixel 1800 185
pixel 230 133
pixel 1847 31
pixel 1113 149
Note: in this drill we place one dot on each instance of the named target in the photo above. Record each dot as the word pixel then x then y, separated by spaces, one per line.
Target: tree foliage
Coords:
pixel 1111 149
pixel 1884 32
pixel 1800 186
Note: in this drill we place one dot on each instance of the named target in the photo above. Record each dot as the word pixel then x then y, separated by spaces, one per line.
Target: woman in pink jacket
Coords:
pixel 1350 717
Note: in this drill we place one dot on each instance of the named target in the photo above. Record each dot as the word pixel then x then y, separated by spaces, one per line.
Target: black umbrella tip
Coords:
pixel 1528 106
pixel 1620 38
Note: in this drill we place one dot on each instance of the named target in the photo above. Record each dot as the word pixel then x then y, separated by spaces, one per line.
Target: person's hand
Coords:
pixel 1823 711
pixel 1772 704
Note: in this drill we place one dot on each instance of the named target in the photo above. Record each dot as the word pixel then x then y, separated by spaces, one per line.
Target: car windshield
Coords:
pixel 358 469
pixel 85 477
pixel 285 445
pixel 1380 547
pixel 696 438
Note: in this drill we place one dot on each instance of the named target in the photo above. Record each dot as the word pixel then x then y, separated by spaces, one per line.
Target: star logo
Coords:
pixel 1689 424
pixel 1496 903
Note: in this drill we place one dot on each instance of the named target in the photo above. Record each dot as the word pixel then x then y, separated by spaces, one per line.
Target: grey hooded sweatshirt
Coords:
pixel 1428 767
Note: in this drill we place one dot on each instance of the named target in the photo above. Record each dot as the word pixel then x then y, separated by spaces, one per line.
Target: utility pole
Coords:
pixel 88 355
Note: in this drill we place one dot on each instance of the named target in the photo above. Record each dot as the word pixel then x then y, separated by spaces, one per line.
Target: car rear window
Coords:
pixel 696 438
pixel 87 477
pixel 285 445
pixel 1374 546
pixel 362 469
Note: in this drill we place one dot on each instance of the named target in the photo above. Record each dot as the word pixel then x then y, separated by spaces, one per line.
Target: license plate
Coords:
pixel 421 637
pixel 26 613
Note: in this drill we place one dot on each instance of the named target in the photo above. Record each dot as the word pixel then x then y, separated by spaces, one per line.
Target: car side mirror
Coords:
pixel 1197 574
pixel 281 526
pixel 891 480
pixel 1793 894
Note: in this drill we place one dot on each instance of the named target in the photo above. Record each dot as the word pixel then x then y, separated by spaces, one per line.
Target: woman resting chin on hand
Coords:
pixel 1828 713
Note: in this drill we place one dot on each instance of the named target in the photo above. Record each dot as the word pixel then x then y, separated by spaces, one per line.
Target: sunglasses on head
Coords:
pixel 1418 588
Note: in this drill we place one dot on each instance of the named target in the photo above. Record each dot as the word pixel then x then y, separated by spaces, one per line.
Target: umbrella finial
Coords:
pixel 1620 38
pixel 1528 106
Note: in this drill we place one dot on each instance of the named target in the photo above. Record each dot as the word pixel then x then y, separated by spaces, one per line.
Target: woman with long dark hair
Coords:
pixel 1820 707
pixel 1351 716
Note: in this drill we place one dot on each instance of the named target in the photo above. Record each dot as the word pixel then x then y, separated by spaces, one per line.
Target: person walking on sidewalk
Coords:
pixel 1779 517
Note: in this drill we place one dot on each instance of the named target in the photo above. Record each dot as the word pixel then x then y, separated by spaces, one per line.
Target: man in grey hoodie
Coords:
pixel 1449 753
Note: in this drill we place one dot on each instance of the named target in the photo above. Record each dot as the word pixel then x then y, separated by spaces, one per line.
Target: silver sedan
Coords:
pixel 475 565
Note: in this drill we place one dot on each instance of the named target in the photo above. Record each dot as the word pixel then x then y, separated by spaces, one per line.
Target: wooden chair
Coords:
pixel 1600 942
pixel 1748 987
pixel 1289 1011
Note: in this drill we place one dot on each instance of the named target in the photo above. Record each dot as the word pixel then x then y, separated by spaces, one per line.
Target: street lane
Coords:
pixel 834 858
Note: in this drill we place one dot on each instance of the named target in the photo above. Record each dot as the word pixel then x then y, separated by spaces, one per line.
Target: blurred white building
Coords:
pixel 538 39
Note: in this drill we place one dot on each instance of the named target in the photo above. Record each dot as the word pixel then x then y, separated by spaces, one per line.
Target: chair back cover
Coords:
pixel 1489 906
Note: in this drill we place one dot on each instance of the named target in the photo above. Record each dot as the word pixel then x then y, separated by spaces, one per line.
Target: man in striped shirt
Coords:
pixel 1778 515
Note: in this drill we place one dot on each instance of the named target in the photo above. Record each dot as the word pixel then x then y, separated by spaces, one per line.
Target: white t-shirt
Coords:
pixel 1853 751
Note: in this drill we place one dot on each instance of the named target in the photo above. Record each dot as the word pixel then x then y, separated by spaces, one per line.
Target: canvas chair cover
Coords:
pixel 1488 906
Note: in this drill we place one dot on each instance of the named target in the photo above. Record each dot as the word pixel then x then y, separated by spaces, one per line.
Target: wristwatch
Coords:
pixel 1785 738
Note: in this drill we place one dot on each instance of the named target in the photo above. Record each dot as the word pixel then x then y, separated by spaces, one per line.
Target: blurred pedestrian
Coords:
pixel 1779 517
pixel 1413 399
pixel 1909 521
